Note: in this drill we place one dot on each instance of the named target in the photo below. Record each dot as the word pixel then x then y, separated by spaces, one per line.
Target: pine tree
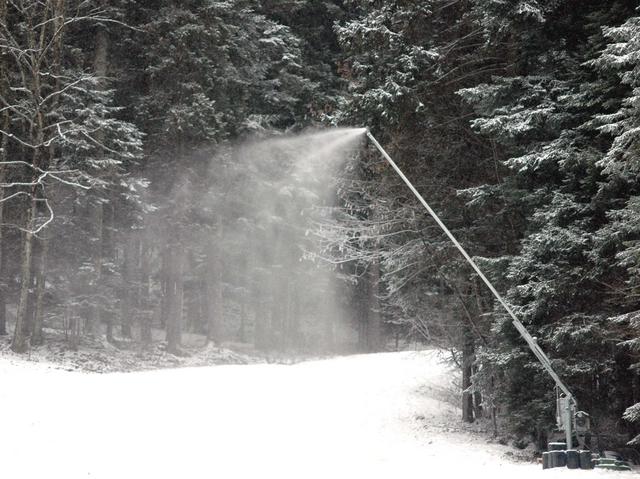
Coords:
pixel 405 61
pixel 542 116
pixel 621 56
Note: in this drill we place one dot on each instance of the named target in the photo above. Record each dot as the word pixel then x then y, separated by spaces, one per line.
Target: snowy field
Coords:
pixel 350 417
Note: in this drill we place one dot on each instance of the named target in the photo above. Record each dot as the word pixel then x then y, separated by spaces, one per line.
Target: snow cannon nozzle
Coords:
pixel 369 135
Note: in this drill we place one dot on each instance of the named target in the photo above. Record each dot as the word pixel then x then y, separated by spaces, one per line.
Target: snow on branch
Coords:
pixel 38 229
pixel 43 174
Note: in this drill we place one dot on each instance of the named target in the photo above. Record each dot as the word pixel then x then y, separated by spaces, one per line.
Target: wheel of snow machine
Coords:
pixel 557 446
pixel 573 459
pixel 585 460
pixel 545 460
pixel 558 458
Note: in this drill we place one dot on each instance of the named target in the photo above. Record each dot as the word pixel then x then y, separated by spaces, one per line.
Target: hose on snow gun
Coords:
pixel 566 405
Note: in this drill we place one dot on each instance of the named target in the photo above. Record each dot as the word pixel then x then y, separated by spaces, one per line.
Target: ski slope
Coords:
pixel 349 417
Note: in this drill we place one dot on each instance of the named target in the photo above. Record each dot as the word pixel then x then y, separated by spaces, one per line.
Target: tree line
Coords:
pixel 518 121
pixel 126 205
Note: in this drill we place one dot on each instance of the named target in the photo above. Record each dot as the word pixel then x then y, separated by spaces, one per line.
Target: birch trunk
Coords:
pixel 21 337
pixel 58 15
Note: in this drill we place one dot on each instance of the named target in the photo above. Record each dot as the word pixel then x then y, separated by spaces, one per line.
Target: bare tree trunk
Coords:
pixel 295 317
pixel 73 327
pixel 108 319
pixel 3 300
pixel 259 327
pixel 145 287
pixel 164 285
pixel 374 329
pixel 285 339
pixel 125 297
pixel 477 401
pixel 256 296
pixel 108 256
pixel 260 339
pixel 214 280
pixel 100 59
pixel 243 298
pixel 94 318
pixel 57 14
pixel 31 301
pixel 168 294
pixel 3 288
pixel 174 298
pixel 362 312
pixel 467 364
pixel 19 342
pixel 179 303
pixel 204 305
pixel 4 144
pixel 396 338
pixel 274 328
pixel 242 330
pixel 21 338
pixel 40 272
pixel 129 291
pixel 3 279
pixel 191 298
pixel 328 321
pixel 98 314
pixel 259 305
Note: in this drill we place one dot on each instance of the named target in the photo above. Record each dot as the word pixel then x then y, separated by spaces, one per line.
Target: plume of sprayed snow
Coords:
pixel 310 156
pixel 261 198
pixel 297 174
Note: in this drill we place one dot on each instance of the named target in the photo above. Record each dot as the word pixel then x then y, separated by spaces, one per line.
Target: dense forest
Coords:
pixel 124 212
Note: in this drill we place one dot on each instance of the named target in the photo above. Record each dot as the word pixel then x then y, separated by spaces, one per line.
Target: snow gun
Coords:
pixel 572 422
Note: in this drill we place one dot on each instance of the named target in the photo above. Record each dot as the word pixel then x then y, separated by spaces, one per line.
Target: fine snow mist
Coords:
pixel 248 276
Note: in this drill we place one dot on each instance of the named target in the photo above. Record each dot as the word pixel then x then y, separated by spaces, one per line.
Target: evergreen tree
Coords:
pixel 620 237
pixel 405 61
pixel 542 116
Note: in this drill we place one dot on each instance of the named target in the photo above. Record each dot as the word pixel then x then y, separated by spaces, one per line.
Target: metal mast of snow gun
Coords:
pixel 566 405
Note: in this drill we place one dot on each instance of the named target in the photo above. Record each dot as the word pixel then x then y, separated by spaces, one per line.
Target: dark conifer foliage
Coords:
pixel 517 120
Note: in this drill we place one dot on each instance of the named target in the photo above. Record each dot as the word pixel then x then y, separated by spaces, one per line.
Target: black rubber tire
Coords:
pixel 557 446
pixel 546 460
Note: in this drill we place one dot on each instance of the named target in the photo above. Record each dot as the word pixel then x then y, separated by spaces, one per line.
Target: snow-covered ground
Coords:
pixel 349 417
